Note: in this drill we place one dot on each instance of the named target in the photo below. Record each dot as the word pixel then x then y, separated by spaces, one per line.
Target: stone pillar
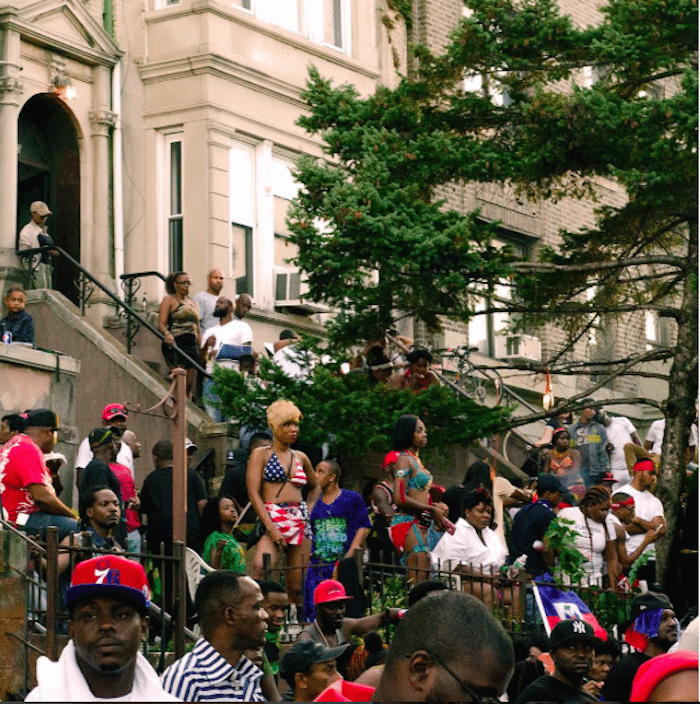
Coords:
pixel 10 101
pixel 101 120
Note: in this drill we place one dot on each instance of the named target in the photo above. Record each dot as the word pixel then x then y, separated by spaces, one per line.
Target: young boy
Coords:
pixel 17 321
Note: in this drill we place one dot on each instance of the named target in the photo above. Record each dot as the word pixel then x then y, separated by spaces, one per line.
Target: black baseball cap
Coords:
pixel 41 418
pixel 301 656
pixel 572 630
pixel 647 601
pixel 548 482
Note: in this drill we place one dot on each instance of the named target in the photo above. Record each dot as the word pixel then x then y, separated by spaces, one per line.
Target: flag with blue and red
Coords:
pixel 556 605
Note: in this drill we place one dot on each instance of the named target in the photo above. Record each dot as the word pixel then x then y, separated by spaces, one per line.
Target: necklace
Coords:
pixel 320 632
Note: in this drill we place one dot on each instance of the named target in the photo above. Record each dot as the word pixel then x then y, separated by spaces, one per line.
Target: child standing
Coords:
pixel 17 321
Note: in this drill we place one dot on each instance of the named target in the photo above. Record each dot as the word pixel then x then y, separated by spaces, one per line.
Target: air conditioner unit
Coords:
pixel 290 287
pixel 526 347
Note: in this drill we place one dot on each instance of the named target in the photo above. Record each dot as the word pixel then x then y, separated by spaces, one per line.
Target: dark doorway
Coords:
pixel 48 169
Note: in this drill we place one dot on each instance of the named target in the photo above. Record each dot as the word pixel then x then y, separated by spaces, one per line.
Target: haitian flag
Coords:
pixel 556 605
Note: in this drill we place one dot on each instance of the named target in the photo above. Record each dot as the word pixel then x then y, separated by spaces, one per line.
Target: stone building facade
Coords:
pixel 178 148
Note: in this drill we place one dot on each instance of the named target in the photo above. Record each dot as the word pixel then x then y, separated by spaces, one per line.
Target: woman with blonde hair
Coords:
pixel 275 478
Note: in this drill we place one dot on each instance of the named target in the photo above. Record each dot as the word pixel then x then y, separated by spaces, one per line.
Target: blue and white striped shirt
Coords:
pixel 204 676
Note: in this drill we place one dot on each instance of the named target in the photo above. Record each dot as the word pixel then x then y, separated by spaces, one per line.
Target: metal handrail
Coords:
pixel 26 253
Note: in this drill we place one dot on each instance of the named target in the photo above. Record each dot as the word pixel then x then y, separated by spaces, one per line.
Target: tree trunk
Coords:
pixel 679 408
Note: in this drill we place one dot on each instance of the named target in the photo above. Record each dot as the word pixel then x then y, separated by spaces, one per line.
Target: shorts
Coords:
pixel 188 344
pixel 292 520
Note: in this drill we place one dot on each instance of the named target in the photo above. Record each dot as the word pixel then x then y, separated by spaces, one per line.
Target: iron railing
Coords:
pixel 86 284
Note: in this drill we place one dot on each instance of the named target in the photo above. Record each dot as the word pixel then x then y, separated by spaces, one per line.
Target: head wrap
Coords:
pixel 629 501
pixel 279 412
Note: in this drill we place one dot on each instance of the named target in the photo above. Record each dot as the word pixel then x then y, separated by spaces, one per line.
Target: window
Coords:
pixel 488 86
pixel 325 22
pixel 242 248
pixel 484 328
pixel 175 218
pixel 242 215
pixel 284 189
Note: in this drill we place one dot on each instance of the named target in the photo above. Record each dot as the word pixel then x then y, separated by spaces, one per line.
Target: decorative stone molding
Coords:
pixel 101 121
pixel 11 89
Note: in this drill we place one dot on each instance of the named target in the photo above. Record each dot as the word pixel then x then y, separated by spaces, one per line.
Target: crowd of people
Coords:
pixel 295 506
pixel 464 551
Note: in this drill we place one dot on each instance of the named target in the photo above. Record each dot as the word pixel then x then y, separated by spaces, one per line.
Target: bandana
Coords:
pixel 619 504
pixel 644 465
pixel 645 627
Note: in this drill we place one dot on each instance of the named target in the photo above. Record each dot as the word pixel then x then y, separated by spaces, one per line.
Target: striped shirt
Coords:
pixel 204 676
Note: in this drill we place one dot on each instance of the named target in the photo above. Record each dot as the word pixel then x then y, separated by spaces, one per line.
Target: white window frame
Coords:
pixel 170 213
pixel 239 218
pixel 309 20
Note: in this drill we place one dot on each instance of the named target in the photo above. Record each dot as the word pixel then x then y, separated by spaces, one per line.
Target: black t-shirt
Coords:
pixel 530 524
pixel 618 683
pixel 99 473
pixel 233 482
pixel 157 502
pixel 550 689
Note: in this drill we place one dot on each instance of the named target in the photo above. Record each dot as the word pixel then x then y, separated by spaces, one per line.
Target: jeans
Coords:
pixel 211 402
pixel 38 522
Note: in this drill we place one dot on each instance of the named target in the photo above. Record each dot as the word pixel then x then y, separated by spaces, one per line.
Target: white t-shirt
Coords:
pixel 647 507
pixel 619 434
pixel 656 436
pixel 465 547
pixel 235 332
pixel 125 456
pixel 590 545
pixel 206 303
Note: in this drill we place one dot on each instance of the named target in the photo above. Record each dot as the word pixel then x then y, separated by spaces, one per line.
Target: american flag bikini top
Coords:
pixel 274 471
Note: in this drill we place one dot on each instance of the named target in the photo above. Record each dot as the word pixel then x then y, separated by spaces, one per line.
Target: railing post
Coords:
pixel 180 584
pixel 51 592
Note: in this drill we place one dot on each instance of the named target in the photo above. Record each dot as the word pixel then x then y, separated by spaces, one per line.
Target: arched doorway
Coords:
pixel 48 169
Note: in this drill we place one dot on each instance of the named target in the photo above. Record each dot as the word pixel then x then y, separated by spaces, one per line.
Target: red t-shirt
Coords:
pixel 21 464
pixel 128 491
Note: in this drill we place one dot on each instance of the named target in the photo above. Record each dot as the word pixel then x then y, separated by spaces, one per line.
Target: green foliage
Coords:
pixel 353 416
pixel 560 537
pixel 404 8
pixel 610 608
pixel 376 242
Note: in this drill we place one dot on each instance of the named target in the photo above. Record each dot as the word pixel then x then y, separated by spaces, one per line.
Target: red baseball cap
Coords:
pixel 328 591
pixel 114 410
pixel 109 575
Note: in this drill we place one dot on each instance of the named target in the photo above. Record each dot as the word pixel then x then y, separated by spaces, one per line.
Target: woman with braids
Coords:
pixel 415 513
pixel 275 477
pixel 595 535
